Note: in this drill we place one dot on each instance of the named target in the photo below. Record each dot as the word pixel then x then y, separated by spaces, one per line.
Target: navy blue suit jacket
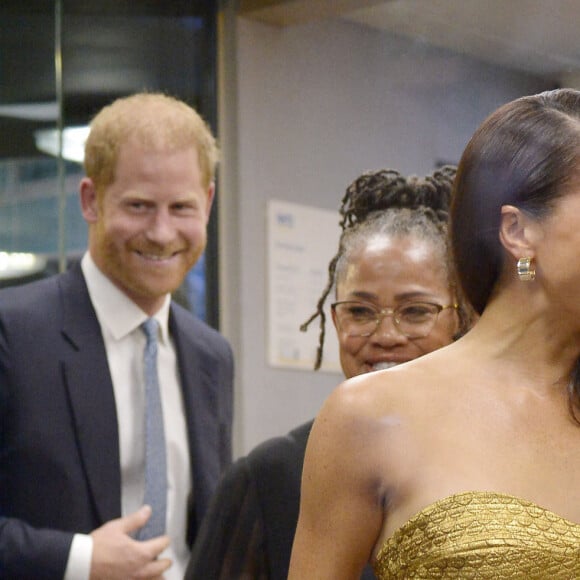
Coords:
pixel 59 446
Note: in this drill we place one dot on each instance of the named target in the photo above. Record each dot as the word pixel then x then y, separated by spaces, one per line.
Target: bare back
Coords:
pixel 390 443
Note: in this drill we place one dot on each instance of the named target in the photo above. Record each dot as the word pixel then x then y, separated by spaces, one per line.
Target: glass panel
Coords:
pixel 27 105
pixel 109 49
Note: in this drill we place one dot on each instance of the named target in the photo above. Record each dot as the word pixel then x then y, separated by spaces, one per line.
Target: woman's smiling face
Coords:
pixel 387 272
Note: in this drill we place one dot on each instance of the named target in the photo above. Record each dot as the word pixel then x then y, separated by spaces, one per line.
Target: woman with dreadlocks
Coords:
pixel 395 300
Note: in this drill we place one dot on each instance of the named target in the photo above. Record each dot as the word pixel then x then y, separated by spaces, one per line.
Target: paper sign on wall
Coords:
pixel 301 242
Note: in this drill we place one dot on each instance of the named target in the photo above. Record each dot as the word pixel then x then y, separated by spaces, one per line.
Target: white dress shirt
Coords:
pixel 120 319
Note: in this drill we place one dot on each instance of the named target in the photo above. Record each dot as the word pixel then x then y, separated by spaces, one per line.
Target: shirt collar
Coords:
pixel 116 312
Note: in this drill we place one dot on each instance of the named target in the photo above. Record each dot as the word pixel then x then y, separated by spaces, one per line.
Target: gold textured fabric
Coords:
pixel 483 535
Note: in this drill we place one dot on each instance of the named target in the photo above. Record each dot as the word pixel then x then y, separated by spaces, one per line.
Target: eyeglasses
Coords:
pixel 413 319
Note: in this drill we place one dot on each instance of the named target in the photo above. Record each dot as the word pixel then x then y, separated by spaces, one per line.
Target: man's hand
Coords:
pixel 117 556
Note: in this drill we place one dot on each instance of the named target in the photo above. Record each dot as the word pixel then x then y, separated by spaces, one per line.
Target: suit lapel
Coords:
pixel 200 408
pixel 90 389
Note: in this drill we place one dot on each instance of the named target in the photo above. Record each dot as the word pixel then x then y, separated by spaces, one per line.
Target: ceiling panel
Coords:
pixel 537 36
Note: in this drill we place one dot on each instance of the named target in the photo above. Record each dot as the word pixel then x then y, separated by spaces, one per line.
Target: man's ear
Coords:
pixel 209 201
pixel 518 232
pixel 89 205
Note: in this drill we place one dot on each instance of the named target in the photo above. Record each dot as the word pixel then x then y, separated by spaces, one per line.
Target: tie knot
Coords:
pixel 150 327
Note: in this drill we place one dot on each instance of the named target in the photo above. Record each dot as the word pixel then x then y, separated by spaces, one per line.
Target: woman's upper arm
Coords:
pixel 341 499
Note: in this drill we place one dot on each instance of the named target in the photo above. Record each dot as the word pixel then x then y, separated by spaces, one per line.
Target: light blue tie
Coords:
pixel 155 458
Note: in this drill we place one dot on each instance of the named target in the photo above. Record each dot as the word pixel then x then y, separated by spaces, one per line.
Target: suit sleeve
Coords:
pixel 230 543
pixel 25 551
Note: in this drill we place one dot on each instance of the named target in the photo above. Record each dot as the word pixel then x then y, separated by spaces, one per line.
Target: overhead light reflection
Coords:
pixel 16 264
pixel 73 142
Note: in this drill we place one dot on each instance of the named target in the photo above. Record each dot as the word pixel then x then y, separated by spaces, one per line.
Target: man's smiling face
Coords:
pixel 148 228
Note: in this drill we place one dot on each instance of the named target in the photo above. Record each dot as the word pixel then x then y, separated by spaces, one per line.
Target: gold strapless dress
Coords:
pixel 484 535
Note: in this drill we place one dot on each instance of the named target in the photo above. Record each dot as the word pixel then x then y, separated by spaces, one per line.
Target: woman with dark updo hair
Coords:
pixel 465 463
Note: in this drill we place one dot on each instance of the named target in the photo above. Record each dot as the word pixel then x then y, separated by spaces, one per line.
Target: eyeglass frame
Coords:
pixel 382 313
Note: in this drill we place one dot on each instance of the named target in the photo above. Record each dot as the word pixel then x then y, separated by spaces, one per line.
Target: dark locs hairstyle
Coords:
pixel 525 154
pixel 386 202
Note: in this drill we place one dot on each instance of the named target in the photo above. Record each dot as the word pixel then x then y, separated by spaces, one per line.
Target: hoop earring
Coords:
pixel 525 269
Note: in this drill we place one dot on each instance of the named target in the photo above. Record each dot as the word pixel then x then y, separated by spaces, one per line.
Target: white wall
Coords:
pixel 303 111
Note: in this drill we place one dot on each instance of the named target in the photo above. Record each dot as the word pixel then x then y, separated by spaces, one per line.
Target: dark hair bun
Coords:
pixel 388 189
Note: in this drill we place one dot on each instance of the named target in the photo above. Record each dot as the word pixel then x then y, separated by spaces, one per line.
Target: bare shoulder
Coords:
pixel 371 395
pixel 364 414
pixel 362 451
pixel 357 410
pixel 442 369
pixel 356 433
pixel 372 417
pixel 343 485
